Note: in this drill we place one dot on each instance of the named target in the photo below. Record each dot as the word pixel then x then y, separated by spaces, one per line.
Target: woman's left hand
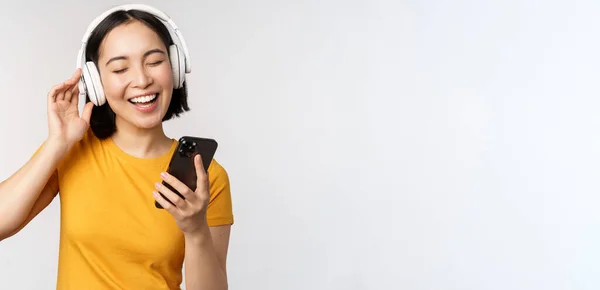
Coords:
pixel 189 213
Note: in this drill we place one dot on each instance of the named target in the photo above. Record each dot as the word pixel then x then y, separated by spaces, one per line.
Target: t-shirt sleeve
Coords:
pixel 68 154
pixel 220 211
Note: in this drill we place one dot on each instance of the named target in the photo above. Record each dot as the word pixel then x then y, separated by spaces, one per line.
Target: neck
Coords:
pixel 141 142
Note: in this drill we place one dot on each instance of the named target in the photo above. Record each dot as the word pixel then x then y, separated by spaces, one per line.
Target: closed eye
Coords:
pixel 156 62
pixel 125 69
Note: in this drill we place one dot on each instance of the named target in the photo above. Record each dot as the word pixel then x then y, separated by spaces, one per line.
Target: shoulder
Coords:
pixel 220 207
pixel 217 176
pixel 82 150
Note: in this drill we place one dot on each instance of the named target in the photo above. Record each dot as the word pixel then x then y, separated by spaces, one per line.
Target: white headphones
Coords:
pixel 178 53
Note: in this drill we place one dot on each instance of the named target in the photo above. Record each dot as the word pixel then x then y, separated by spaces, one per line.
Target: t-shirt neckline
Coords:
pixel 158 161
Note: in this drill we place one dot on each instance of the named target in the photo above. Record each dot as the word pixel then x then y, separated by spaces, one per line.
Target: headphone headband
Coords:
pixel 171 26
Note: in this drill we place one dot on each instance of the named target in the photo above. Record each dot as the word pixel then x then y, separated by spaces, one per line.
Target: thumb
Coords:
pixel 200 171
pixel 87 112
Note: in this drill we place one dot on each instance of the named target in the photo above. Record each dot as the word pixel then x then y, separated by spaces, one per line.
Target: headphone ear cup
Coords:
pixel 177 59
pixel 93 84
pixel 87 84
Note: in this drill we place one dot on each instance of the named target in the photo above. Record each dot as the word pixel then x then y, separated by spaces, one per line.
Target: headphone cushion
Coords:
pixel 177 59
pixel 93 84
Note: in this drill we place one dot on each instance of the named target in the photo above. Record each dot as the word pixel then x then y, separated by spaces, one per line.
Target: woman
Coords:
pixel 108 164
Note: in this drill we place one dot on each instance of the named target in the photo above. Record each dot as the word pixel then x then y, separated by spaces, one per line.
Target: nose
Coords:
pixel 141 78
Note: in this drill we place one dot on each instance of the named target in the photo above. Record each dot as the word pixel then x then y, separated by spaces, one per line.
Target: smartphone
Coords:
pixel 182 166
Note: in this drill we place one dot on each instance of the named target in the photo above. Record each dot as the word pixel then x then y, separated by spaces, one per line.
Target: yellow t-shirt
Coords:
pixel 111 234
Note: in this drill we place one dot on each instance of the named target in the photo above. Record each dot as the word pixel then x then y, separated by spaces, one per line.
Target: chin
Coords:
pixel 147 120
pixel 148 124
pixel 144 121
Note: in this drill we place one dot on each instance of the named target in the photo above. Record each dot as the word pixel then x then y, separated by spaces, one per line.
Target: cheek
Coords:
pixel 164 76
pixel 114 87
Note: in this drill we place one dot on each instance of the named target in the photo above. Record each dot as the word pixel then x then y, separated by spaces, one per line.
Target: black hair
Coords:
pixel 102 121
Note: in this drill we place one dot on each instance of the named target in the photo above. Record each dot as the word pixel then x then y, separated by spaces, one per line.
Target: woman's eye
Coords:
pixel 125 69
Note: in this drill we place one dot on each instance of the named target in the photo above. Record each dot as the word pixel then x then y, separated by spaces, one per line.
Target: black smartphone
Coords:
pixel 182 166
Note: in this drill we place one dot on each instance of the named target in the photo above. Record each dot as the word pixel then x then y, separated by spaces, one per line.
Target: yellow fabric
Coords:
pixel 111 235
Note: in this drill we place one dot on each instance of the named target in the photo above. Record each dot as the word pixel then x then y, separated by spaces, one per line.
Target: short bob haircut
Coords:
pixel 102 121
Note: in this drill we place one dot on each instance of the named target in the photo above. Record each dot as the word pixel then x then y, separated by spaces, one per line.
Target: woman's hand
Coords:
pixel 189 213
pixel 64 123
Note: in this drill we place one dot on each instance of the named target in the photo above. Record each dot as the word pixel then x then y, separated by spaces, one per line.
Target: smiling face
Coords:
pixel 136 75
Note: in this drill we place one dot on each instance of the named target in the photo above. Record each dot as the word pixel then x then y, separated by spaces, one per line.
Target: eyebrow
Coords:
pixel 147 53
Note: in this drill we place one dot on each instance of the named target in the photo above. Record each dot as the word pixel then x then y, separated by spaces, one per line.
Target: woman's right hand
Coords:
pixel 65 125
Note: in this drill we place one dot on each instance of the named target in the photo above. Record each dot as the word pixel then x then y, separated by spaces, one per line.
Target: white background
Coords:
pixel 370 145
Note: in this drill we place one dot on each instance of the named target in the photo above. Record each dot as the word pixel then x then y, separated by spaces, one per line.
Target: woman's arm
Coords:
pixel 205 246
pixel 19 194
pixel 28 191
pixel 205 258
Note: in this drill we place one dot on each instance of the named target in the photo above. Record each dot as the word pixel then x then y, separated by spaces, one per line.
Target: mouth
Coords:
pixel 144 103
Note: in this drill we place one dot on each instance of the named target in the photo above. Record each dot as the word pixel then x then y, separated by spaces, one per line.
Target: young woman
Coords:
pixel 108 164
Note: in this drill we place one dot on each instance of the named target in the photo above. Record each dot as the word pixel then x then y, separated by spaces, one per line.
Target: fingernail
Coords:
pixel 163 174
pixel 157 185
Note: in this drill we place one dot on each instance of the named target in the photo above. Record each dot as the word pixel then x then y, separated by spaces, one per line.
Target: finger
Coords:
pixel 170 195
pixel 70 84
pixel 67 94
pixel 87 112
pixel 60 95
pixel 74 78
pixel 74 91
pixel 53 91
pixel 165 203
pixel 178 185
pixel 75 96
pixel 201 173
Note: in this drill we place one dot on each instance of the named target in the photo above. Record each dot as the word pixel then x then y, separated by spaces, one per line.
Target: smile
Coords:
pixel 146 103
pixel 143 99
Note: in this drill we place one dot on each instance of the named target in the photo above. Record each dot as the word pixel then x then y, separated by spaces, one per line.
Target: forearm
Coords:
pixel 20 191
pixel 202 268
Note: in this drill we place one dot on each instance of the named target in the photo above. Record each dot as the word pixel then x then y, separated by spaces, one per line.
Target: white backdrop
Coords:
pixel 401 145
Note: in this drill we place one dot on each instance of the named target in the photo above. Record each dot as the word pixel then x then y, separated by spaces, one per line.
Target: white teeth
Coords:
pixel 144 99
